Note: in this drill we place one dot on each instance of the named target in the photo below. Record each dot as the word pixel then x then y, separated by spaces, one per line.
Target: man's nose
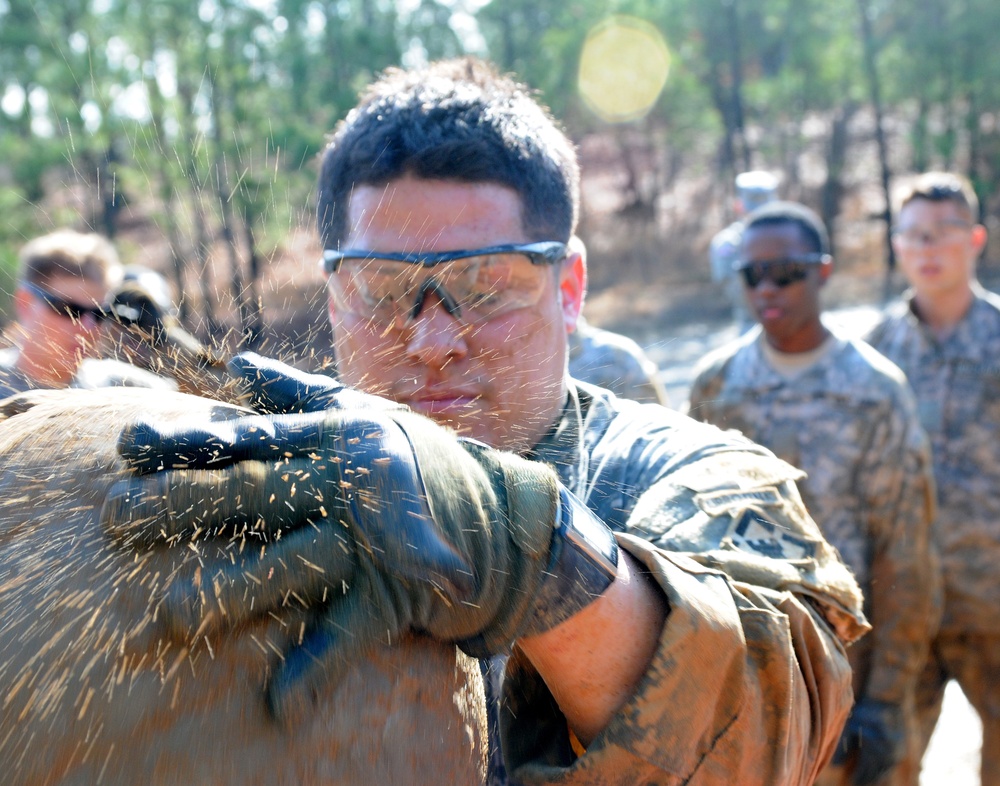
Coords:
pixel 765 287
pixel 88 322
pixel 434 336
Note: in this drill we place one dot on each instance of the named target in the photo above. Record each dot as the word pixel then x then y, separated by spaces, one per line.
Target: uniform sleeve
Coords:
pixel 745 680
pixel 905 600
pixel 704 390
pixel 750 676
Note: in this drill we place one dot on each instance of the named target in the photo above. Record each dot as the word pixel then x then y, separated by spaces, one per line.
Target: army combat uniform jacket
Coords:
pixel 750 682
pixel 850 422
pixel 616 362
pixel 957 384
pixel 92 373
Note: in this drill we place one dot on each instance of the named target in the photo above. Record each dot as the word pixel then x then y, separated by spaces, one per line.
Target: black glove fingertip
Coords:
pixel 293 691
pixel 139 445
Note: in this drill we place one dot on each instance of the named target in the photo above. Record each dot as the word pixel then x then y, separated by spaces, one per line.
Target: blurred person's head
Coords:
pixel 60 300
pixel 454 158
pixel 784 262
pixel 753 189
pixel 937 237
pixel 145 330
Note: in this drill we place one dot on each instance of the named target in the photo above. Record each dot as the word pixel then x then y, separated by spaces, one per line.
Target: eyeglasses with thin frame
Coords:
pixel 939 233
pixel 65 308
pixel 473 285
pixel 780 272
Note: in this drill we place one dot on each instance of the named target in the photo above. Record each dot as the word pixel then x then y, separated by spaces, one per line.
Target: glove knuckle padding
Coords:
pixel 483 539
pixel 270 386
pixel 398 522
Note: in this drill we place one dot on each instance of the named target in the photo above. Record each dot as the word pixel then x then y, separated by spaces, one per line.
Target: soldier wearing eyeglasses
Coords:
pixel 836 409
pixel 674 613
pixel 945 334
pixel 60 300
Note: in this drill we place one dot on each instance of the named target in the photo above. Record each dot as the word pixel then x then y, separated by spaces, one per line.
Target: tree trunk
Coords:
pixel 189 145
pixel 871 71
pixel 836 157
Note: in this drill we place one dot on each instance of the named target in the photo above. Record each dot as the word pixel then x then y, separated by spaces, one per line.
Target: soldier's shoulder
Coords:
pixel 716 362
pixel 872 365
pixel 989 302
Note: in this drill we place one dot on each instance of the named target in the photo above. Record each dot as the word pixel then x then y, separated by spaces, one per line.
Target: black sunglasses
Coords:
pixel 780 272
pixel 65 308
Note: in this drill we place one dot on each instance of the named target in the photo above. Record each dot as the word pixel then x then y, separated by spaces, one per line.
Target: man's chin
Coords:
pixel 462 415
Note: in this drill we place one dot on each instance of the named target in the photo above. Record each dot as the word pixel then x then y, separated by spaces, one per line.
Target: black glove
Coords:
pixel 875 737
pixel 383 521
pixel 272 387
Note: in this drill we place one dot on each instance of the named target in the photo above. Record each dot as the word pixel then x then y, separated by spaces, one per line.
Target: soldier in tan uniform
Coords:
pixel 844 414
pixel 945 334
pixel 611 360
pixel 675 614
pixel 61 301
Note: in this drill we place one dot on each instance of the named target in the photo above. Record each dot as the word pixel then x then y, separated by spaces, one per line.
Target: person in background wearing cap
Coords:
pixel 61 302
pixel 844 414
pixel 611 360
pixel 146 332
pixel 945 334
pixel 753 189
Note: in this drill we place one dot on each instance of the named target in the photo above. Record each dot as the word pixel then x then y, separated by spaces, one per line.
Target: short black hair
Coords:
pixel 808 222
pixel 456 120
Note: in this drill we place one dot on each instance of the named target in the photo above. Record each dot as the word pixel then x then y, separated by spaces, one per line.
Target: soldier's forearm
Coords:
pixel 592 662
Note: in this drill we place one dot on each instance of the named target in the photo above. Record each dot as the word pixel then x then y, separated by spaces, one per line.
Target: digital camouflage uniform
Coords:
pixel 957 384
pixel 850 423
pixel 723 253
pixel 92 373
pixel 610 360
pixel 11 380
pixel 750 682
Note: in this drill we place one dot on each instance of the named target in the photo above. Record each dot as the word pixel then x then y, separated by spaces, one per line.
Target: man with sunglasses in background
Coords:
pixel 945 334
pixel 64 285
pixel 490 501
pixel 841 412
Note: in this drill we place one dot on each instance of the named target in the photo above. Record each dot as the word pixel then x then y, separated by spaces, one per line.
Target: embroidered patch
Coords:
pixel 753 532
pixel 721 502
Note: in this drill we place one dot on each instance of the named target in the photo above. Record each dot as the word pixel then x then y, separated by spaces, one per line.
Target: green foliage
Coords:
pixel 215 111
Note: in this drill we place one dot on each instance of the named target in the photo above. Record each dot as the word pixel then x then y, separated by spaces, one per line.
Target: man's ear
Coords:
pixel 979 239
pixel 825 268
pixel 331 309
pixel 572 289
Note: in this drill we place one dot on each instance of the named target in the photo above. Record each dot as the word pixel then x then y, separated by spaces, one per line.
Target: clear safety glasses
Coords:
pixel 474 285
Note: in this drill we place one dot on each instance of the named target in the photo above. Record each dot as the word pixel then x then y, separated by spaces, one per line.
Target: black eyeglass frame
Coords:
pixel 66 308
pixel 545 252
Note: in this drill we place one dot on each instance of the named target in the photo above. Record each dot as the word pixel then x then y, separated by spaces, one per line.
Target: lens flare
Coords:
pixel 623 68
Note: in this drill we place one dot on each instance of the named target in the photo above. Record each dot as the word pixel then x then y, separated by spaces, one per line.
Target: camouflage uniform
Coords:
pixel 750 676
pixel 11 380
pixel 615 362
pixel 92 373
pixel 850 423
pixel 723 253
pixel 957 383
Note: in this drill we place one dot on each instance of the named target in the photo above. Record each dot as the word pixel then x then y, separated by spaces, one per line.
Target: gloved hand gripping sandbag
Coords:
pixel 428 533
